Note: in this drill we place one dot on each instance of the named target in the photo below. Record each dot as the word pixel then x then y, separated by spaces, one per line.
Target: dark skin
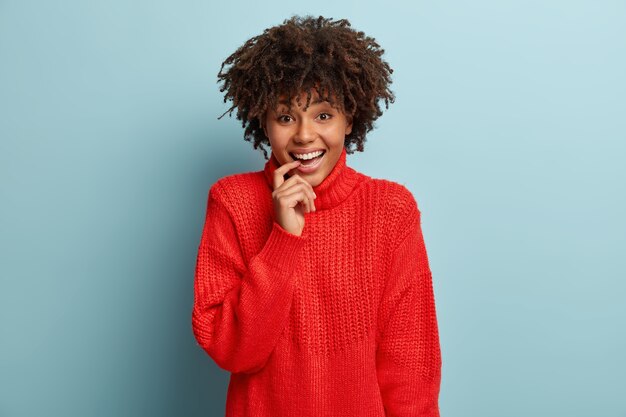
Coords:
pixel 298 55
pixel 287 196
pixel 320 127
pixel 322 57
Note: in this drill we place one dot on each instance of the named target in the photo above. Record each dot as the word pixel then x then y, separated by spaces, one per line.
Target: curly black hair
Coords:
pixel 302 54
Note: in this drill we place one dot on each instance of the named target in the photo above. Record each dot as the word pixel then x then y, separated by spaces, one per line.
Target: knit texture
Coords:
pixel 339 321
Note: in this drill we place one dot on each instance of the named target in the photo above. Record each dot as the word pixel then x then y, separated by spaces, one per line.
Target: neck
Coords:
pixel 333 189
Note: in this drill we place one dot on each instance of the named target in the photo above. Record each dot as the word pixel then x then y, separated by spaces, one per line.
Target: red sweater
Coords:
pixel 339 321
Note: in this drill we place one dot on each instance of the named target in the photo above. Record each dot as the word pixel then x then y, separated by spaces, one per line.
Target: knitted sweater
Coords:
pixel 339 321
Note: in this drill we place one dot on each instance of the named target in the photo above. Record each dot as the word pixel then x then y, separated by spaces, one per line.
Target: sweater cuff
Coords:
pixel 282 247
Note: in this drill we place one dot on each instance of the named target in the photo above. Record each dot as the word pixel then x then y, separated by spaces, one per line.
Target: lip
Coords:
pixel 309 169
pixel 301 150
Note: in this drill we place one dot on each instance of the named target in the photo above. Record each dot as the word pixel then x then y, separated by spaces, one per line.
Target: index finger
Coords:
pixel 279 173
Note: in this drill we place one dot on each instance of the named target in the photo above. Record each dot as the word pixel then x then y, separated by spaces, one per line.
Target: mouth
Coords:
pixel 310 165
pixel 310 161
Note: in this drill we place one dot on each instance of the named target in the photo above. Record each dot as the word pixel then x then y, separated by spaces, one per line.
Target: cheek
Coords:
pixel 276 133
pixel 279 138
pixel 338 129
pixel 271 131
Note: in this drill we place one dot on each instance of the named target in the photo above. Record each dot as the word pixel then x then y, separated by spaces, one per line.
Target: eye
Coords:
pixel 281 118
pixel 328 116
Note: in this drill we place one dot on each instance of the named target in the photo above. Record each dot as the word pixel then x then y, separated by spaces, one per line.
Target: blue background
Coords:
pixel 509 128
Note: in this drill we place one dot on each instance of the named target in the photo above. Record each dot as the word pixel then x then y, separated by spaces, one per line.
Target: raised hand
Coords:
pixel 292 198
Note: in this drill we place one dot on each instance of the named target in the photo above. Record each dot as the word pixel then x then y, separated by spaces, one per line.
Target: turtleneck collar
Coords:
pixel 333 189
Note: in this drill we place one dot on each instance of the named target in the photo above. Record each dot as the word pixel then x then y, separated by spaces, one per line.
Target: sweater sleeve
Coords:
pixel 408 357
pixel 240 310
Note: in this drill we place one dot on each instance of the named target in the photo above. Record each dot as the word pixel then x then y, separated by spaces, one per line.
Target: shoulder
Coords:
pixel 399 209
pixel 233 189
pixel 395 197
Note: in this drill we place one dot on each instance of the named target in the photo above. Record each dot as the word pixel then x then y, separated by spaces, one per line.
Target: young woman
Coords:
pixel 312 284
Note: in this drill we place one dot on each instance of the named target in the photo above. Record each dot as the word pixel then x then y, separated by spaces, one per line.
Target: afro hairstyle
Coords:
pixel 302 54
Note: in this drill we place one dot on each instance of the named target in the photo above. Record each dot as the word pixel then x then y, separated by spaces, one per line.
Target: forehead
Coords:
pixel 315 99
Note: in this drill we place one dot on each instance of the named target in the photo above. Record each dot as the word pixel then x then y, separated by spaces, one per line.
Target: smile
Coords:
pixel 308 166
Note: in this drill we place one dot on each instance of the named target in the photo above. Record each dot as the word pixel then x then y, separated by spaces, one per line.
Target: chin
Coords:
pixel 311 178
pixel 315 183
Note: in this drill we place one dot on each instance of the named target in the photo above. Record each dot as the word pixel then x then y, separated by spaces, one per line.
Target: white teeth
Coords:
pixel 307 156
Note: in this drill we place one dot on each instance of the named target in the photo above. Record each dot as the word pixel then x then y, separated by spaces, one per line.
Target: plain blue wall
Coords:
pixel 509 128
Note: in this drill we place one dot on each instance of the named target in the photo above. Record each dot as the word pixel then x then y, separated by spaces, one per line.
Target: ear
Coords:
pixel 349 126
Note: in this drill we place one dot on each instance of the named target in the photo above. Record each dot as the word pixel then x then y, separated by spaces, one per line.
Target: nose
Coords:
pixel 306 131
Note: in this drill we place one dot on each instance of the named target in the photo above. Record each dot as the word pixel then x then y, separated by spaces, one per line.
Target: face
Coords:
pixel 320 128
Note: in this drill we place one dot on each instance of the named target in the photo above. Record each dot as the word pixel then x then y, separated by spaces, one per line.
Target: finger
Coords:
pixel 296 195
pixel 298 181
pixel 281 171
